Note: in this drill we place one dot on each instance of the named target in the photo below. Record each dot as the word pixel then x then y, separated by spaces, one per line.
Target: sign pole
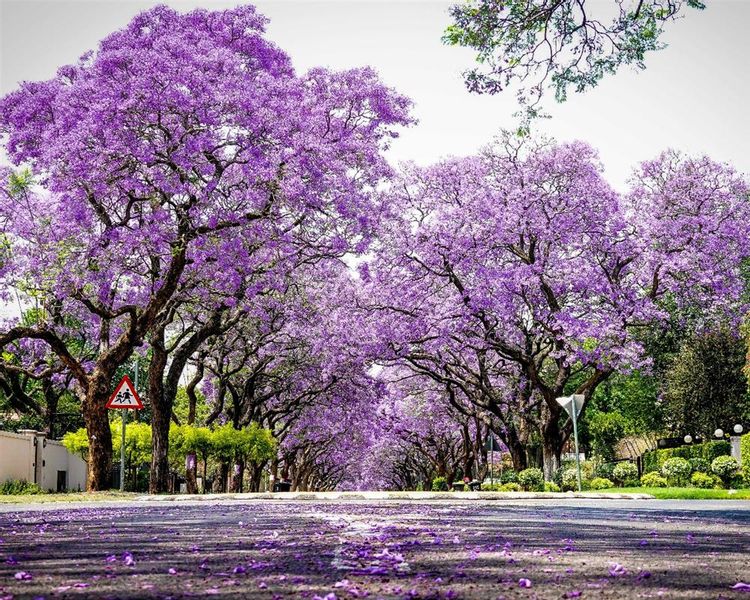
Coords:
pixel 575 438
pixel 122 452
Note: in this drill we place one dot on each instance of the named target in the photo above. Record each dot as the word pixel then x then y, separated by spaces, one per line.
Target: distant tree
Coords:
pixel 706 388
pixel 556 44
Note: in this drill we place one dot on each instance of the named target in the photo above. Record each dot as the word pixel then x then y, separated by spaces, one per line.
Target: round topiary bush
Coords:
pixel 440 484
pixel 601 483
pixel 726 467
pixel 676 470
pixel 510 487
pixel 532 480
pixel 551 486
pixel 699 465
pixel 625 474
pixel 653 479
pixel 702 480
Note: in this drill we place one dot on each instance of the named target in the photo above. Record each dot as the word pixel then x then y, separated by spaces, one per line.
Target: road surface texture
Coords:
pixel 377 549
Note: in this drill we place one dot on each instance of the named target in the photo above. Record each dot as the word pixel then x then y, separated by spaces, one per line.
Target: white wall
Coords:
pixel 21 458
pixel 17 456
pixel 57 458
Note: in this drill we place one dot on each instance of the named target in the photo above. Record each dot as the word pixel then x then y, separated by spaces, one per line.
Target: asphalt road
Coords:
pixel 377 549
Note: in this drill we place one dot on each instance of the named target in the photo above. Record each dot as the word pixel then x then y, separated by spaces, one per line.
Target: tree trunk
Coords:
pixel 223 476
pixel 97 427
pixel 551 447
pixel 238 475
pixel 256 476
pixel 191 474
pixel 161 414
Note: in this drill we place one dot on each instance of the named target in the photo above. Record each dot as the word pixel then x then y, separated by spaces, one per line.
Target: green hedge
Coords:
pixel 653 461
pixel 746 458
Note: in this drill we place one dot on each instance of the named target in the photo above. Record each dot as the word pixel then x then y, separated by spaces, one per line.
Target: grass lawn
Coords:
pixel 679 493
pixel 69 497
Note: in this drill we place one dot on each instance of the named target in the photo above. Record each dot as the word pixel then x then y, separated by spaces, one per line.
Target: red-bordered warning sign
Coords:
pixel 125 395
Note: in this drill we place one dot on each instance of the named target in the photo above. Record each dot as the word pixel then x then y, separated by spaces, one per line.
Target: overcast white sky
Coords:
pixel 693 95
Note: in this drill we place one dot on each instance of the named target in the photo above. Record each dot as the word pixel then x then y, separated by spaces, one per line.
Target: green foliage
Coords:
pixel 532 480
pixel 745 454
pixel 569 479
pixel 77 442
pixel 727 468
pixel 251 444
pixel 653 480
pixel 20 181
pixel 551 486
pixel 510 487
pixel 182 406
pixel 508 476
pixel 676 470
pixel 600 483
pixel 705 385
pixel 440 484
pixel 605 470
pixel 702 480
pixel 699 465
pixel 708 451
pixel 606 429
pixel 19 487
pixel 625 474
pixel 560 46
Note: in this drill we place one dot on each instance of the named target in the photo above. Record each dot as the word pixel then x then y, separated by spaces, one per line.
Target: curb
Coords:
pixel 453 496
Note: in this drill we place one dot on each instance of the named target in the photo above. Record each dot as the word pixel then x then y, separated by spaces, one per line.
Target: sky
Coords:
pixel 692 96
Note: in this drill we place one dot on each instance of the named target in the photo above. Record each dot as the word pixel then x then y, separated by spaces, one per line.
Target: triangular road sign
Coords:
pixel 568 402
pixel 125 395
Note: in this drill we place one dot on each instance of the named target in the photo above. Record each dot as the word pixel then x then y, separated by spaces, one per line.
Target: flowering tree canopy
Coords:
pixel 184 145
pixel 519 275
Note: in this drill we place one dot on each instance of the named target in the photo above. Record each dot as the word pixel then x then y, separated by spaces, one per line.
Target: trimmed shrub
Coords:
pixel 551 486
pixel 508 476
pixel 653 479
pixel 532 480
pixel 727 468
pixel 708 451
pixel 510 487
pixel 605 470
pixel 676 470
pixel 19 487
pixel 601 483
pixel 625 474
pixel 440 484
pixel 699 465
pixel 702 480
pixel 745 445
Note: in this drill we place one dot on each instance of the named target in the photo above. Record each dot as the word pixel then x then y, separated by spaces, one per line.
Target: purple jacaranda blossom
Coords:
pixel 617 570
pixel 22 576
pixel 741 587
pixel 128 560
pixel 524 583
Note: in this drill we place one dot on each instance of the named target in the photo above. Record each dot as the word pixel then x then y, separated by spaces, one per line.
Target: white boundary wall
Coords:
pixel 29 455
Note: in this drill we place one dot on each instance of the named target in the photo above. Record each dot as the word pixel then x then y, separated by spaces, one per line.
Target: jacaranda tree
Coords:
pixel 183 143
pixel 519 275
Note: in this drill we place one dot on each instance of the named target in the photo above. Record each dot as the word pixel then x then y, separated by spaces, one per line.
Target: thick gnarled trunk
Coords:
pixel 95 414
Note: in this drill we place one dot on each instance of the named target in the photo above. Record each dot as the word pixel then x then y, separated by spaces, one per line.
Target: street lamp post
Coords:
pixel 736 443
